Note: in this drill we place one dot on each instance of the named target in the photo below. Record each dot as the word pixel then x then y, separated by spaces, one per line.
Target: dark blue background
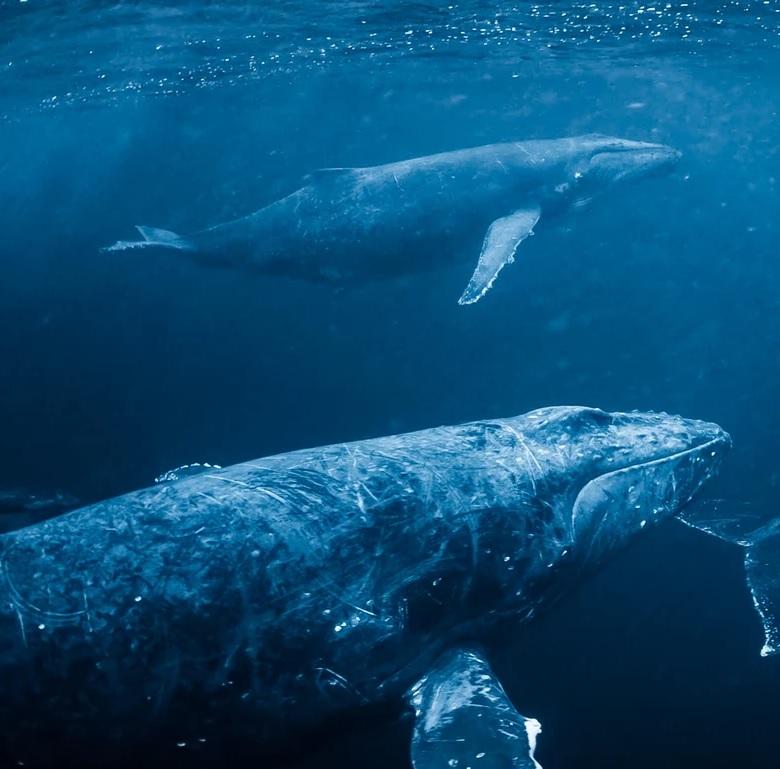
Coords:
pixel 663 296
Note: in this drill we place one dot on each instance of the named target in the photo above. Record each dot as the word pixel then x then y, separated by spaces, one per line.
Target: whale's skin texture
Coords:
pixel 246 604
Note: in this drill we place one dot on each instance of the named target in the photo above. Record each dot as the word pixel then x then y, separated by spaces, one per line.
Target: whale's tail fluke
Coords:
pixel 759 534
pixel 153 237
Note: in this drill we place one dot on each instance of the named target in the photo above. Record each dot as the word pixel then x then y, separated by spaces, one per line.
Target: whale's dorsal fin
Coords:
pixel 464 718
pixel 157 235
pixel 498 249
pixel 186 471
pixel 324 174
pixel 153 237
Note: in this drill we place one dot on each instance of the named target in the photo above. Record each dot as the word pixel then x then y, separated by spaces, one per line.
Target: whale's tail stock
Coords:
pixel 759 534
pixel 152 237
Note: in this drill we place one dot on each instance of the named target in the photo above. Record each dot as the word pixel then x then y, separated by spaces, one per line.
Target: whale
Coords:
pixel 22 506
pixel 347 225
pixel 252 604
pixel 19 499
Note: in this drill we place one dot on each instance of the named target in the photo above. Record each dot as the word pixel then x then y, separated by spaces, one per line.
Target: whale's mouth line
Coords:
pixel 600 492
pixel 660 460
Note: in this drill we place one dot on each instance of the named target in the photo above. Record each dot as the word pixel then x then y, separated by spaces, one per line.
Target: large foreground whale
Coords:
pixel 351 224
pixel 246 605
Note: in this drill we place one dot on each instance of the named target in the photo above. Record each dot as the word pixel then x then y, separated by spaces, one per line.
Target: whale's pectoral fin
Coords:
pixel 464 718
pixel 498 249
pixel 759 534
pixel 153 237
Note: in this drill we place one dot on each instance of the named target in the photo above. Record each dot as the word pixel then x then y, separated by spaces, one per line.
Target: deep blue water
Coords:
pixel 116 367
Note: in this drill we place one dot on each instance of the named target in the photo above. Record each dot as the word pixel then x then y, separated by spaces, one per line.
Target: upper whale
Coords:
pixel 351 224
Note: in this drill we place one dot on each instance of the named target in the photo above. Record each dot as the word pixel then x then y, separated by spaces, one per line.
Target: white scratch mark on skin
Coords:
pixel 361 485
pixel 86 609
pixel 326 676
pixel 346 602
pixel 262 468
pixel 21 622
pixel 227 480
pixel 21 605
pixel 528 451
pixel 271 494
pixel 211 498
pixel 368 491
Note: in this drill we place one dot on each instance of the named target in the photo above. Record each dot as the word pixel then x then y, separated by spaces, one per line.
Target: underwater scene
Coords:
pixel 389 384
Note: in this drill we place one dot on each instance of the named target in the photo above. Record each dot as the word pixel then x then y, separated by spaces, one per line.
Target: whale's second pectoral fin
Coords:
pixel 760 536
pixel 464 718
pixel 498 249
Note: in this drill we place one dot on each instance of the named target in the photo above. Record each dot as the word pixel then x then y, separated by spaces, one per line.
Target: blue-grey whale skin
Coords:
pixel 352 224
pixel 251 602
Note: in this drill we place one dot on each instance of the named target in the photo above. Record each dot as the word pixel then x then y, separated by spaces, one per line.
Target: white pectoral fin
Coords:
pixel 498 249
pixel 464 718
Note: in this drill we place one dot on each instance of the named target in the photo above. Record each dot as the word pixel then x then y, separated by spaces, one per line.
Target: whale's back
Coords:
pixel 352 223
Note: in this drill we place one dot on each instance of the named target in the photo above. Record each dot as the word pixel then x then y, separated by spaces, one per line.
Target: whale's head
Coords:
pixel 593 164
pixel 605 160
pixel 608 476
